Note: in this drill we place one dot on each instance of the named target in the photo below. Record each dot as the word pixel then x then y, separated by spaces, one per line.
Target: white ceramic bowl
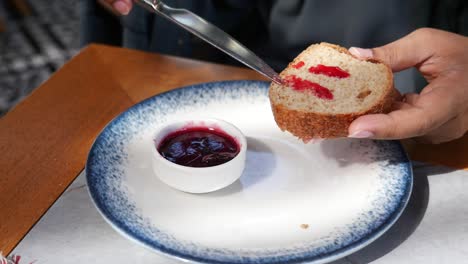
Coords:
pixel 198 180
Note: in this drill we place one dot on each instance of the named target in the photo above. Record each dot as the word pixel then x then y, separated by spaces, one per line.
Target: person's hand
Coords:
pixel 440 112
pixel 122 7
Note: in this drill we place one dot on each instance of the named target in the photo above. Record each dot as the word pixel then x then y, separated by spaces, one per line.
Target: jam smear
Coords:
pixel 299 84
pixel 331 71
pixel 298 65
pixel 199 147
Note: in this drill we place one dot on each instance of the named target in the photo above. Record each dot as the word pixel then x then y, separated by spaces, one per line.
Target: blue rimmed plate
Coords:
pixel 295 203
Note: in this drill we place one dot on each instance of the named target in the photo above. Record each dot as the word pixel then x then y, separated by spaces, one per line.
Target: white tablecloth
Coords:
pixel 73 232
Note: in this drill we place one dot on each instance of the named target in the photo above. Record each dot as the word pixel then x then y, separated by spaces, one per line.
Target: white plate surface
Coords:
pixel 294 203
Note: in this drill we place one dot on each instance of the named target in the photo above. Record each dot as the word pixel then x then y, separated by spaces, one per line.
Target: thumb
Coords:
pixel 418 116
pixel 405 123
pixel 122 7
pixel 400 54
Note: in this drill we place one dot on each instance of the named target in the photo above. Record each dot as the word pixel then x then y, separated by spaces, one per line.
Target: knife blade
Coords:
pixel 211 34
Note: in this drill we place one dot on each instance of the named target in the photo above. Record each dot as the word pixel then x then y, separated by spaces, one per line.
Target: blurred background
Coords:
pixel 36 38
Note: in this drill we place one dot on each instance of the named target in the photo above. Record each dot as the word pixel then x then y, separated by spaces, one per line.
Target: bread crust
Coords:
pixel 310 125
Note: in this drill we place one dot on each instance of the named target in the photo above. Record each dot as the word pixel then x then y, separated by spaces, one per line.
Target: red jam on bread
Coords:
pixel 298 65
pixel 299 84
pixel 330 71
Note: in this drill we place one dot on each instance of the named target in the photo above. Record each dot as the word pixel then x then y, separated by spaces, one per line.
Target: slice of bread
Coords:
pixel 325 88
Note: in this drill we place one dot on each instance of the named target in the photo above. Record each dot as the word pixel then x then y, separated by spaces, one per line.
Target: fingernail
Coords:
pixel 121 7
pixel 361 53
pixel 361 134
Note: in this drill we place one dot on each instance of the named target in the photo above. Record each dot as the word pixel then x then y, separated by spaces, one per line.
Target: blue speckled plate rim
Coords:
pixel 321 258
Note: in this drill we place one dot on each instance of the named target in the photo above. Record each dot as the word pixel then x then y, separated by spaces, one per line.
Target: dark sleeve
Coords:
pixel 463 19
pixel 98 25
pixel 450 15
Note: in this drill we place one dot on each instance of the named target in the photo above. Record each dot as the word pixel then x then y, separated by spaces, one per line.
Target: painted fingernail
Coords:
pixel 361 53
pixel 361 134
pixel 121 7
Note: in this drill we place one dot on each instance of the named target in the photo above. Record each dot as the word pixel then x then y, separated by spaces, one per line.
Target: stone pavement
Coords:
pixel 38 37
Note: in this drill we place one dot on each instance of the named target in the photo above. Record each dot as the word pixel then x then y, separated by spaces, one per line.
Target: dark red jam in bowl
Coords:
pixel 199 147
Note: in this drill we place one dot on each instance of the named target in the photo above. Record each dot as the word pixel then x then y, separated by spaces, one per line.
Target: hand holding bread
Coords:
pixel 440 112
pixel 328 93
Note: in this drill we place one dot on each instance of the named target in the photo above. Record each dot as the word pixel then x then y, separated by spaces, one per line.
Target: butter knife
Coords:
pixel 211 34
